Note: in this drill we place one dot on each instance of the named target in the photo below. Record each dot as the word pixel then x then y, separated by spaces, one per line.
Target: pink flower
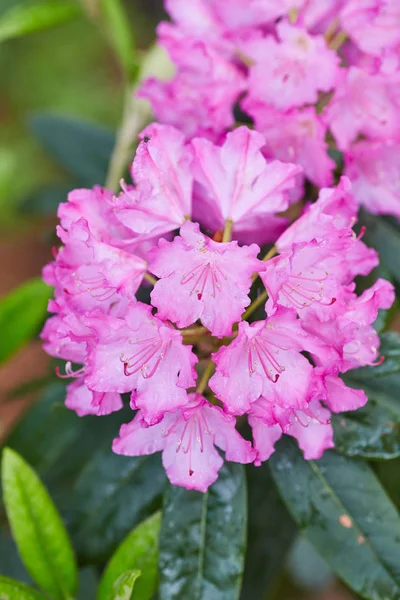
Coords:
pixel 202 279
pixel 296 136
pixel 93 274
pixel 310 426
pixel 364 104
pixel 317 15
pixel 187 439
pixel 374 169
pixel 296 67
pixel 162 198
pixel 217 21
pixel 299 278
pixel 200 97
pixel 349 330
pixel 265 360
pixel 337 395
pixel 374 25
pixel 96 207
pixel 330 220
pixel 59 337
pixel 85 402
pixel 142 354
pixel 235 182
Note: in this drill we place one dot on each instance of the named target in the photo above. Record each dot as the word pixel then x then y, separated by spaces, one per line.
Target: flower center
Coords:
pixel 205 274
pixel 149 353
pixel 302 291
pixel 260 354
pixel 192 435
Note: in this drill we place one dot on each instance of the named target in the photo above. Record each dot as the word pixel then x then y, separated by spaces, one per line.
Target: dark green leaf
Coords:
pixel 88 582
pixel 372 432
pixel 271 532
pixel 383 235
pixel 388 473
pixel 384 377
pixel 139 550
pixel 35 15
pixel 203 539
pixel 112 495
pixel 123 587
pixel 22 311
pixel 15 590
pixel 45 201
pixel 82 148
pixel 343 510
pixel 10 562
pixel 37 528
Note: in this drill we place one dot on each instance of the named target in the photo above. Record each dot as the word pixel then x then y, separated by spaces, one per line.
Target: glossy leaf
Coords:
pixel 35 15
pixel 344 511
pixel 383 235
pixel 123 587
pixel 15 590
pixel 113 494
pixel 372 432
pixel 384 377
pixel 22 312
pixel 37 528
pixel 139 550
pixel 58 443
pixel 203 539
pixel 271 532
pixel 81 148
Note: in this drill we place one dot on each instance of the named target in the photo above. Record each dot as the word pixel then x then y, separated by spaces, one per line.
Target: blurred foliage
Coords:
pixel 69 70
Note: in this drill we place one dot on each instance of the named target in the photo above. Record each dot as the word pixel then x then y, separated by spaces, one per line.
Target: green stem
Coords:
pixel 338 40
pixel 209 370
pixel 257 302
pixel 135 116
pixel 227 235
pixel 150 278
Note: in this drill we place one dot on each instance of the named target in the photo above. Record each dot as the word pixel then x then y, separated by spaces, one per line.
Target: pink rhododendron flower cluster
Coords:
pixel 254 313
pixel 277 61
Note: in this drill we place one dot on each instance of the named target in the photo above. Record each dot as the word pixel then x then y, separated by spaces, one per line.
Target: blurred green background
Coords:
pixel 70 69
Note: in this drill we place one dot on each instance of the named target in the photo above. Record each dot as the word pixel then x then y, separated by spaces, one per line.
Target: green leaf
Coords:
pixel 384 377
pixel 33 16
pixel 271 532
pixel 119 32
pixel 37 528
pixel 383 235
pixel 139 550
pixel 123 587
pixel 59 445
pixel 371 432
pixel 113 494
pixel 203 539
pixel 341 507
pixel 22 311
pixel 45 201
pixel 82 148
pixel 15 590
